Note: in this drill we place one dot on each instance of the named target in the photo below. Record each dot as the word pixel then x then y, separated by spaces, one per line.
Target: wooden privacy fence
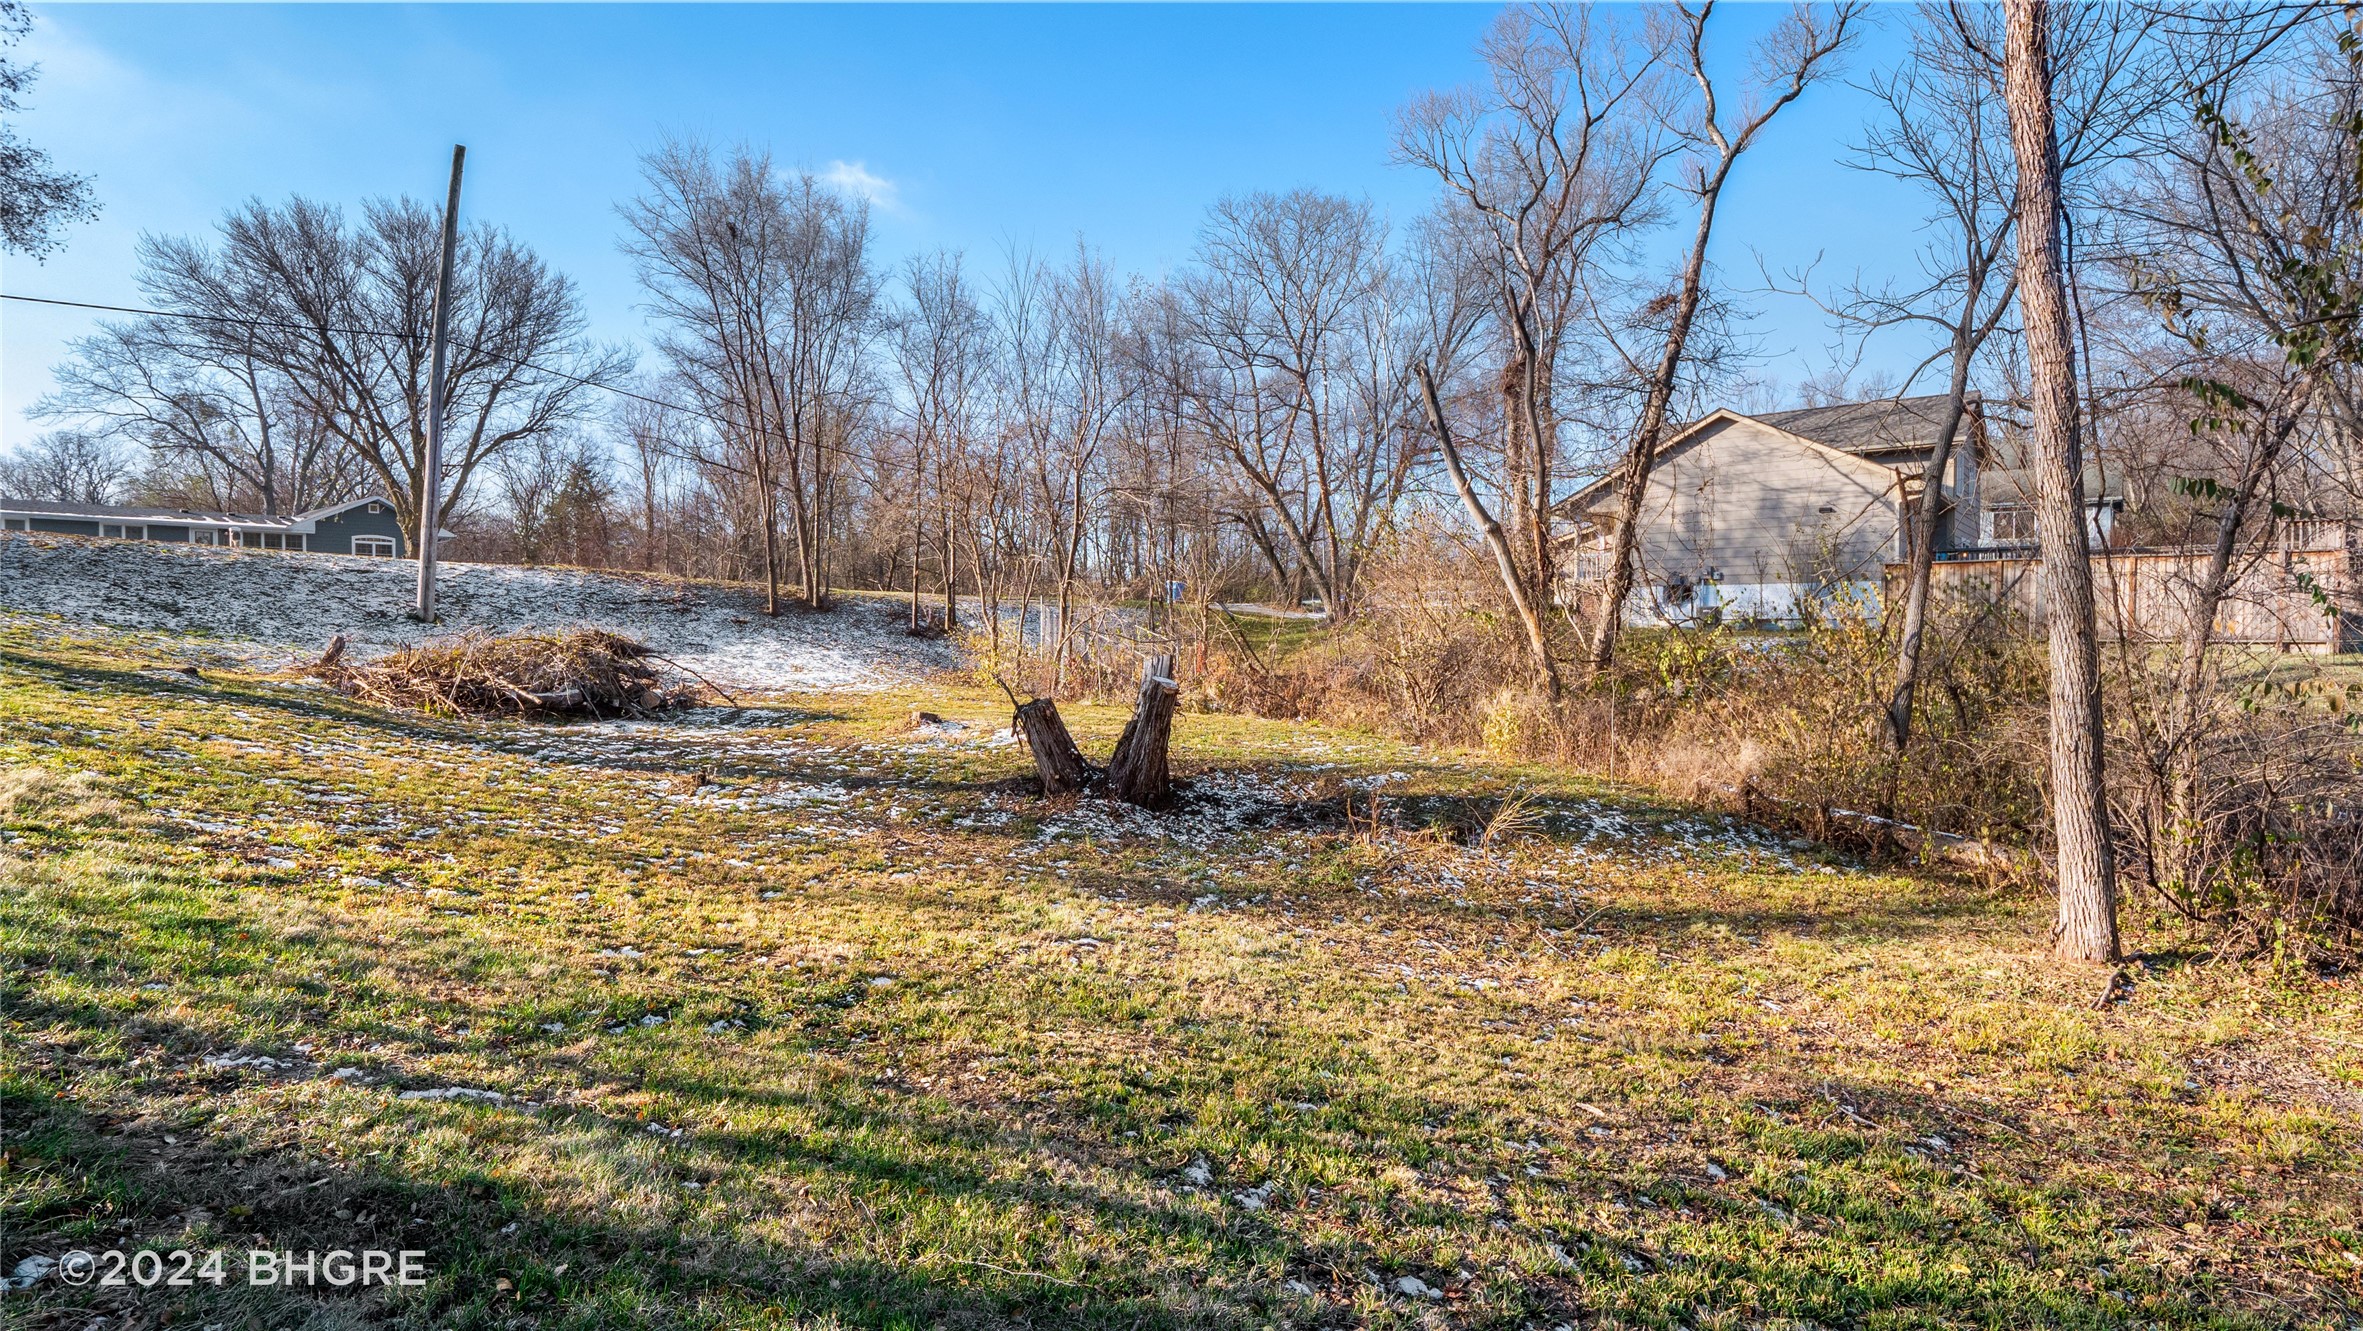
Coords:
pixel 2293 599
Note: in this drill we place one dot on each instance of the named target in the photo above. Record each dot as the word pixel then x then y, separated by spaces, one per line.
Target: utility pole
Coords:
pixel 430 479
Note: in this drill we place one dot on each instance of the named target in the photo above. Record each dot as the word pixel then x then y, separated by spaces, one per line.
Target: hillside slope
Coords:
pixel 265 608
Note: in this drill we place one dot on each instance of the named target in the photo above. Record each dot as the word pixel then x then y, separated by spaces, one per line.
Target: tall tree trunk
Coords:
pixel 648 560
pixel 1921 557
pixel 1504 558
pixel 2087 926
pixel 1517 469
pixel 1533 383
pixel 918 552
pixel 950 551
pixel 767 510
pixel 1633 480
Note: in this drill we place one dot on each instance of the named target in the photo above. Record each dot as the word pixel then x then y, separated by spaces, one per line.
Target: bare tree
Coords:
pixel 1065 386
pixel 821 385
pixel 2242 234
pixel 204 399
pixel 1291 361
pixel 36 199
pixel 68 467
pixel 702 240
pixel 1553 164
pixel 653 434
pixel 1504 556
pixel 1797 53
pixel 1943 129
pixel 2085 858
pixel 942 355
pixel 766 295
pixel 339 314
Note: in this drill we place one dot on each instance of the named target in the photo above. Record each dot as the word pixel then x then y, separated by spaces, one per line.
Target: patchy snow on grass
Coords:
pixel 269 609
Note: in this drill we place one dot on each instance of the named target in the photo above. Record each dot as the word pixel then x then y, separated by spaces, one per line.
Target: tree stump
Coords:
pixel 1137 773
pixel 1055 755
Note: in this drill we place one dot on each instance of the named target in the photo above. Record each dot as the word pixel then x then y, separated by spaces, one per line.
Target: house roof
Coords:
pixel 139 512
pixel 1581 501
pixel 1888 425
pixel 305 521
pixel 2005 486
pixel 331 510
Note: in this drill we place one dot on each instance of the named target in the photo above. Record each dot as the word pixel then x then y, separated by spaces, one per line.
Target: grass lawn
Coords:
pixel 798 1017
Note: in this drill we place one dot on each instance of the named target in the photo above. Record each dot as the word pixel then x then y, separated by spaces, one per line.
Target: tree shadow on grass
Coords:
pixel 847 1213
pixel 1845 1247
pixel 493 1255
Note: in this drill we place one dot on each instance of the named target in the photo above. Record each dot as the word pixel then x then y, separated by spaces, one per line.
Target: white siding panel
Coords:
pixel 1745 503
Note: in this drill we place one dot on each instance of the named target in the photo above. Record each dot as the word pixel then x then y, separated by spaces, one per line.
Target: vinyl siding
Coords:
pixel 1743 502
pixel 333 535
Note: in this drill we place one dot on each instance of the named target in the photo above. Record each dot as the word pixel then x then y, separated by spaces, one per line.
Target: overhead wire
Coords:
pixel 403 335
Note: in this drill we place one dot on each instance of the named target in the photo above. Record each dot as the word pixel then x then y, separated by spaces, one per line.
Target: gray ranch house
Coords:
pixel 359 527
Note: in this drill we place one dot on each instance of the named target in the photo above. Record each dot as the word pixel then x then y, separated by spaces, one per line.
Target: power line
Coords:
pixel 208 318
pixel 248 322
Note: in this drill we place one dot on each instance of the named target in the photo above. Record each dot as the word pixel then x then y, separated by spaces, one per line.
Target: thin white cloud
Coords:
pixel 856 178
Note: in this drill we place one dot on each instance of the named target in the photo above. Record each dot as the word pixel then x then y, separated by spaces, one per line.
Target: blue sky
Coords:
pixel 974 127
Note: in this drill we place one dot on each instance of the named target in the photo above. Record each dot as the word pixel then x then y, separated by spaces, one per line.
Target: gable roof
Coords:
pixel 1888 425
pixel 1581 500
pixel 315 514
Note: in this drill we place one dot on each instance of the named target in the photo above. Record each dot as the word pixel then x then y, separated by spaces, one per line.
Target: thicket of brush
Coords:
pixel 577 672
pixel 2246 826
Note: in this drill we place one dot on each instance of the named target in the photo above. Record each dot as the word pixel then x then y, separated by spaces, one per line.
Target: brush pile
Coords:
pixel 579 672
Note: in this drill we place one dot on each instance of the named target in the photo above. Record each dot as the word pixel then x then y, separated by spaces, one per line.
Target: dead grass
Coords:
pixel 58 799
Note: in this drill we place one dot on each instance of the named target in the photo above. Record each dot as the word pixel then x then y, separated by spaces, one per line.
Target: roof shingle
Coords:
pixel 1888 425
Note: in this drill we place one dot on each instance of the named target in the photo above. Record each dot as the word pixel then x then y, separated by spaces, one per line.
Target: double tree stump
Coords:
pixel 1138 772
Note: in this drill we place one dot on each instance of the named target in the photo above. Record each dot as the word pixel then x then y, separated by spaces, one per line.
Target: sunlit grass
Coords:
pixel 801 1017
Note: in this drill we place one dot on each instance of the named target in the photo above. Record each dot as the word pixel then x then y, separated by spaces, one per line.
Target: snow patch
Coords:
pixel 263 608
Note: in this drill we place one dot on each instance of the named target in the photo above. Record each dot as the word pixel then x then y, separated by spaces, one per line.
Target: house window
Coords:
pixel 377 546
pixel 2011 526
pixel 376 507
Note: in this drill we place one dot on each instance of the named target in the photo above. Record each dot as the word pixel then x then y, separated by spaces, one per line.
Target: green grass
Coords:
pixel 1272 638
pixel 1634 1068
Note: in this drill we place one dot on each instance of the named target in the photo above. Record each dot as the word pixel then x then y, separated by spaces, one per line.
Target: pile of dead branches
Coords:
pixel 579 672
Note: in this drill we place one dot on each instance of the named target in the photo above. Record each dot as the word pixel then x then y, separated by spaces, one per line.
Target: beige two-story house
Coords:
pixel 1747 517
